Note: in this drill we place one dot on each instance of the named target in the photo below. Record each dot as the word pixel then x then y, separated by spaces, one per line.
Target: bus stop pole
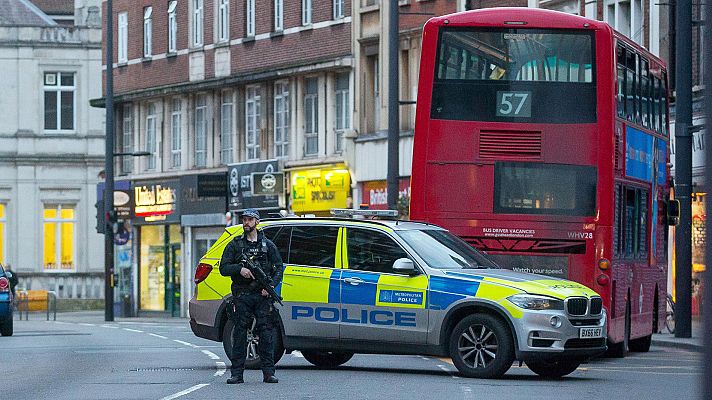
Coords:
pixel 683 169
pixel 707 300
pixel 393 106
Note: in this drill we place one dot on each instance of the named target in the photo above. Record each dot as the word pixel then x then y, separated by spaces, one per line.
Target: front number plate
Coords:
pixel 590 333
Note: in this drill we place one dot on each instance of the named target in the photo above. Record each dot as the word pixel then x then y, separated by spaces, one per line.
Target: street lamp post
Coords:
pixel 109 169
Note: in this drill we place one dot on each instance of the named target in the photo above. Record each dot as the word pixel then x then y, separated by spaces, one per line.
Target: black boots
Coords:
pixel 266 378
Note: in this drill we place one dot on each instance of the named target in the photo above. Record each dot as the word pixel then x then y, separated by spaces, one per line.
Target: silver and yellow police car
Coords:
pixel 393 287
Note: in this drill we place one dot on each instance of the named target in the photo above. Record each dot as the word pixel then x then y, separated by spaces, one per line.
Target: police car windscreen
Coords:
pixel 442 249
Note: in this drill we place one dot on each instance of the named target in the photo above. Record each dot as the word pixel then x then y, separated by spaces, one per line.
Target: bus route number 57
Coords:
pixel 514 104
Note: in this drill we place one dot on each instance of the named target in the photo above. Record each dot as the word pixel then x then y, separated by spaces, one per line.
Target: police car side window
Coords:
pixel 372 251
pixel 313 246
pixel 280 236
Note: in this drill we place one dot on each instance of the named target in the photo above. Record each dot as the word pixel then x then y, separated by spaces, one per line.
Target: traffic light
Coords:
pixel 112 220
pixel 100 222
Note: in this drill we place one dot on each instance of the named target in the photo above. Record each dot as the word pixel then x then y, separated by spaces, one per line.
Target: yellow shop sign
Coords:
pixel 320 189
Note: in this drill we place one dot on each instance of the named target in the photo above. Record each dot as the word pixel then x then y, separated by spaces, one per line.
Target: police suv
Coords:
pixel 394 287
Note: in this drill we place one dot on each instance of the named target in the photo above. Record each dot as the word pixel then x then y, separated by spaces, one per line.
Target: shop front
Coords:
pixel 159 238
pixel 203 203
pixel 316 190
pixel 699 219
pixel 374 195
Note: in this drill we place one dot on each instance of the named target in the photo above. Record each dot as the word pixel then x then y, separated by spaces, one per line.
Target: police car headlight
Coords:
pixel 535 302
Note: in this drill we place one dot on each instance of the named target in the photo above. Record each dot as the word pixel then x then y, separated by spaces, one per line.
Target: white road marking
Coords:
pixel 85 324
pixel 211 354
pixel 297 354
pixel 110 326
pixel 446 369
pixel 132 330
pixel 186 391
pixel 221 368
pixel 185 343
pixel 158 336
pixel 642 372
pixel 62 323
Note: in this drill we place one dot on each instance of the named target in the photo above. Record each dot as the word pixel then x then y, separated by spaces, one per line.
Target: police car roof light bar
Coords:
pixel 350 213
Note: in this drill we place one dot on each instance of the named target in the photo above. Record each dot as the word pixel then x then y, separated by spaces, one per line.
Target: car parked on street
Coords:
pixel 5 304
pixel 395 287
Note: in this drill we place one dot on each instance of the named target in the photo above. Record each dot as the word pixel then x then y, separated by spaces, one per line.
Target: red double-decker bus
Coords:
pixel 542 138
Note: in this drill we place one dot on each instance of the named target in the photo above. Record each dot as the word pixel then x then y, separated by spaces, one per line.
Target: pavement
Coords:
pixel 694 343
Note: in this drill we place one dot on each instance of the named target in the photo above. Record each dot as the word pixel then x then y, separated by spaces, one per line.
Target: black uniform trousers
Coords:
pixel 252 304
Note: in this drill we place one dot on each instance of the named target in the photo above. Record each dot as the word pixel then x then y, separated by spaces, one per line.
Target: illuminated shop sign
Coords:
pixel 320 189
pixel 156 202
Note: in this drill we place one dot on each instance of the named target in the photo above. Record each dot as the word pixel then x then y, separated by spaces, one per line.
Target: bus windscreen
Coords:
pixel 515 75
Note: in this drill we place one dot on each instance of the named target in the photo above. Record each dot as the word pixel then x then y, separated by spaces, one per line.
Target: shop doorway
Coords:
pixel 173 292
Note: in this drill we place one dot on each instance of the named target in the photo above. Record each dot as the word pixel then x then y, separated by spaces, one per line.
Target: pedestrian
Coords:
pixel 12 277
pixel 249 299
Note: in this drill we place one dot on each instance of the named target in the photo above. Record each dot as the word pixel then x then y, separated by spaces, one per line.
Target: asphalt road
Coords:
pixel 85 358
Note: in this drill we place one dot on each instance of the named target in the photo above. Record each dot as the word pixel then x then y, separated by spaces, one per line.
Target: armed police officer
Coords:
pixel 249 298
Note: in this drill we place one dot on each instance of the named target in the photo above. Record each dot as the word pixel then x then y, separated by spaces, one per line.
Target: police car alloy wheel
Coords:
pixel 481 346
pixel 252 360
pixel 327 359
pixel 553 369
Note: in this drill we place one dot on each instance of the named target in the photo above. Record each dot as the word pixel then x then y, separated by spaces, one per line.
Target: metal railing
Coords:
pixel 28 301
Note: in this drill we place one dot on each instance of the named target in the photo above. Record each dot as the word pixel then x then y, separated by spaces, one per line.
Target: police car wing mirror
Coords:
pixel 404 266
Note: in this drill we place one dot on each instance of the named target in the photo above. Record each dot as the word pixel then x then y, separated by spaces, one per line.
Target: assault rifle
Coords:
pixel 261 278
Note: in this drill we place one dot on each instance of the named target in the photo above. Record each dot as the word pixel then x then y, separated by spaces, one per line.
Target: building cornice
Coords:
pixel 236 79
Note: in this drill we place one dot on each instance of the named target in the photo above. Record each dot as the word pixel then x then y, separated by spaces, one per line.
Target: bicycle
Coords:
pixel 670 314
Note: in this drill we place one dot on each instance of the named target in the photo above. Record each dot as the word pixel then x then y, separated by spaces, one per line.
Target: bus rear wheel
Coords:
pixel 619 350
pixel 640 345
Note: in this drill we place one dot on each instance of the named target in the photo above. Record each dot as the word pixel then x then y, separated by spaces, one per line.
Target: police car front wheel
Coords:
pixel 481 346
pixel 553 369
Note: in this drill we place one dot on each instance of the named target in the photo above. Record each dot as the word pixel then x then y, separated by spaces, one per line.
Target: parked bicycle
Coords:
pixel 670 314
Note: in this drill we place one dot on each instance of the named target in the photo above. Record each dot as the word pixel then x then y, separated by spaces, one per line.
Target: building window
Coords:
pixel 201 132
pixel 281 119
pixel 306 12
pixel 123 40
pixel 343 114
pixel 3 234
pixel 151 136
pixel 226 128
pixel 250 18
pixel 59 100
pixel 338 9
pixel 252 123
pixel 197 23
pixel 172 27
pixel 126 139
pixel 311 117
pixel 278 15
pixel 223 20
pixel 626 17
pixel 59 237
pixel 147 31
pixel 176 139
